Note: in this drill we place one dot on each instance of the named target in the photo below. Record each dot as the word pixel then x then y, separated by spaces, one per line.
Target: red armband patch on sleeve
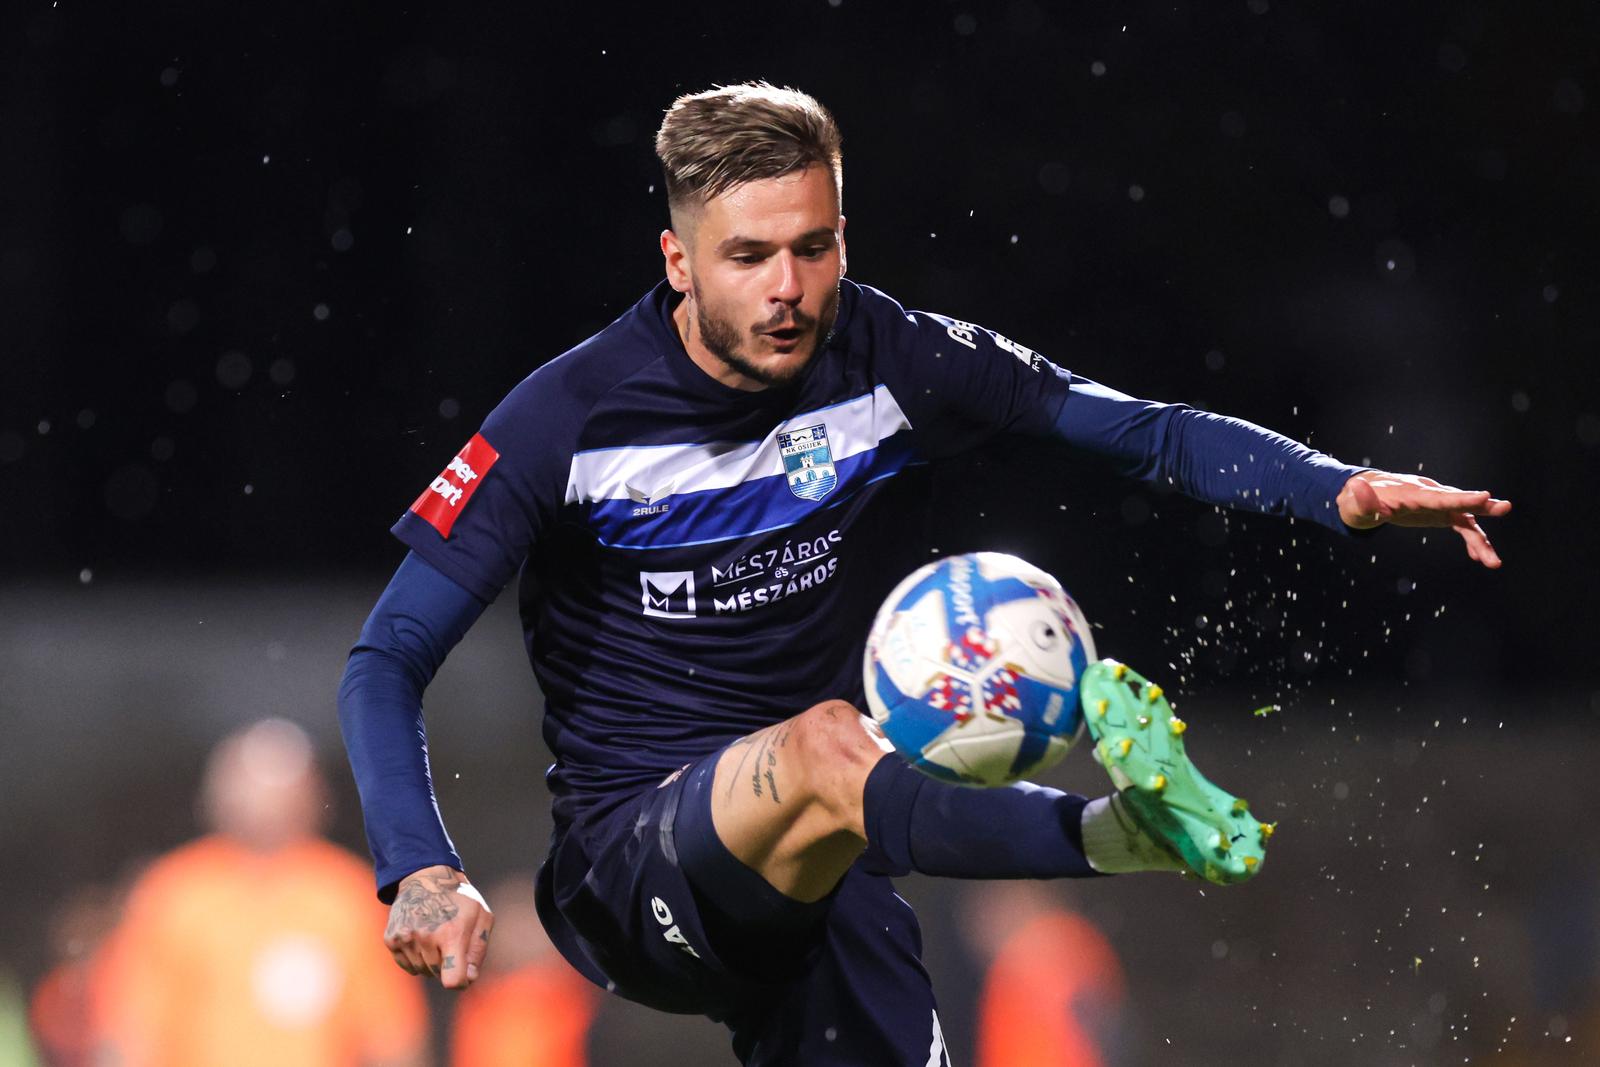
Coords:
pixel 446 497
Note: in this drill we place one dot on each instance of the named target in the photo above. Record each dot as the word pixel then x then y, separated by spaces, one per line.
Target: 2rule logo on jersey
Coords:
pixel 447 495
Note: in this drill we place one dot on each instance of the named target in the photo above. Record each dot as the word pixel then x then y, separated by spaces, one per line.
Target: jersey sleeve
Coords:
pixel 419 618
pixel 961 384
pixel 1215 458
pixel 477 521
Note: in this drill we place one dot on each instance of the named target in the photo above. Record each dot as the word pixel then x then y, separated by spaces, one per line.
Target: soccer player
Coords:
pixel 692 499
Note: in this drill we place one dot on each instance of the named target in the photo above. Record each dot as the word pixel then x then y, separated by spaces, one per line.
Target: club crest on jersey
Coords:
pixel 808 461
pixel 448 494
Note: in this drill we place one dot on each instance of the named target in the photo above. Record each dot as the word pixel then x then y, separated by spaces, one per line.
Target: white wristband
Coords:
pixel 470 891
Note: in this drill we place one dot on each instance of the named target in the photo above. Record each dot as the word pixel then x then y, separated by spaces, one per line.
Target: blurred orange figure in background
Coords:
pixel 59 1010
pixel 253 945
pixel 1052 992
pixel 530 1008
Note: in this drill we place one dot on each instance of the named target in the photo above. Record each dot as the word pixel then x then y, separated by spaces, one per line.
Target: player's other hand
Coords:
pixel 439 925
pixel 1373 498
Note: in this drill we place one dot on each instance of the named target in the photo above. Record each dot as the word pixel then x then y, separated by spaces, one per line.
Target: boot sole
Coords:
pixel 1139 741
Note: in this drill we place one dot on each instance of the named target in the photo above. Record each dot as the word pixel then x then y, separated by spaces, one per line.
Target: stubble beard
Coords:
pixel 726 341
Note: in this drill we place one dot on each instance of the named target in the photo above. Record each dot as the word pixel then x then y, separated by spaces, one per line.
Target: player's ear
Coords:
pixel 675 255
pixel 842 256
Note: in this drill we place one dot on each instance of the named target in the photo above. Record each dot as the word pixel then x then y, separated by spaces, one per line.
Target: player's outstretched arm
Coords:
pixel 439 924
pixel 1228 461
pixel 1373 498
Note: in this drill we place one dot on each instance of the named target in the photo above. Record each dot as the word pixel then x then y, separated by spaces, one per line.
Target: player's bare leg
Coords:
pixel 787 800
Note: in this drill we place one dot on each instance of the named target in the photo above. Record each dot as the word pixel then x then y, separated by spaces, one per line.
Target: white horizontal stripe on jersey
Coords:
pixel 653 472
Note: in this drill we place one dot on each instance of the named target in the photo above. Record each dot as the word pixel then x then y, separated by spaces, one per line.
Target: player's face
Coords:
pixel 762 274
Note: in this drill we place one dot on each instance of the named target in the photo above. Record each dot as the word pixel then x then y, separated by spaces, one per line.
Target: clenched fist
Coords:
pixel 439 924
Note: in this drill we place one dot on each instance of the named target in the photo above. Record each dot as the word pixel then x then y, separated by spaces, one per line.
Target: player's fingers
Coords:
pixel 1477 501
pixel 416 952
pixel 464 956
pixel 402 945
pixel 1416 506
pixel 453 965
pixel 1414 516
pixel 431 954
pixel 1478 545
pixel 1449 500
pixel 478 945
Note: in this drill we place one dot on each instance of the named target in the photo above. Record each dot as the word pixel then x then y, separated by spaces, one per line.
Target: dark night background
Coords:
pixel 263 269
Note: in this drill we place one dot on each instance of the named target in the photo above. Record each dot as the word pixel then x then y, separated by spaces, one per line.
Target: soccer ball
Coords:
pixel 972 669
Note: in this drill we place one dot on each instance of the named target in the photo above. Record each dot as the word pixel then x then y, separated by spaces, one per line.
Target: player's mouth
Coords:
pixel 784 339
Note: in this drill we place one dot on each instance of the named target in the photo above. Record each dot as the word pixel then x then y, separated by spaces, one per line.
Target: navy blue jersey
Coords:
pixel 699 561
pixel 693 551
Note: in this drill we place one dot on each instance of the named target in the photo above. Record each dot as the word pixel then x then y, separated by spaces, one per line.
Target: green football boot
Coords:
pixel 1139 741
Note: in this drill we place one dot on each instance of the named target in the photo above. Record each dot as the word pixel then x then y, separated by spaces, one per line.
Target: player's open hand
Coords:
pixel 1373 498
pixel 439 925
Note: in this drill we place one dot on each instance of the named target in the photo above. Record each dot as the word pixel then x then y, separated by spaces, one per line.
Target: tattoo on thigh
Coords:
pixel 765 742
pixel 744 744
pixel 767 763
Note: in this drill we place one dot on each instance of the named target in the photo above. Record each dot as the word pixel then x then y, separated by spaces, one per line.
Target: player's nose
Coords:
pixel 786 285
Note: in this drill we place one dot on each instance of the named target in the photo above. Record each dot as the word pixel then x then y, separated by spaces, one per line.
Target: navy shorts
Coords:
pixel 648 903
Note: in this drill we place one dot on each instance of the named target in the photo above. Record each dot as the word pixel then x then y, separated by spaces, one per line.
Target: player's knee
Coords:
pixel 837 754
pixel 833 729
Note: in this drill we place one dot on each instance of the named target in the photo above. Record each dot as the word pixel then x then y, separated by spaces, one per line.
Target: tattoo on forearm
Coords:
pixel 425 903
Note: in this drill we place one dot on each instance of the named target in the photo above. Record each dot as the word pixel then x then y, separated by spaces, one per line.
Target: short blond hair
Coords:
pixel 711 141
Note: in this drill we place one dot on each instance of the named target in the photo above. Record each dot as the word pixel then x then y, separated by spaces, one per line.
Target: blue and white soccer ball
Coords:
pixel 972 669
